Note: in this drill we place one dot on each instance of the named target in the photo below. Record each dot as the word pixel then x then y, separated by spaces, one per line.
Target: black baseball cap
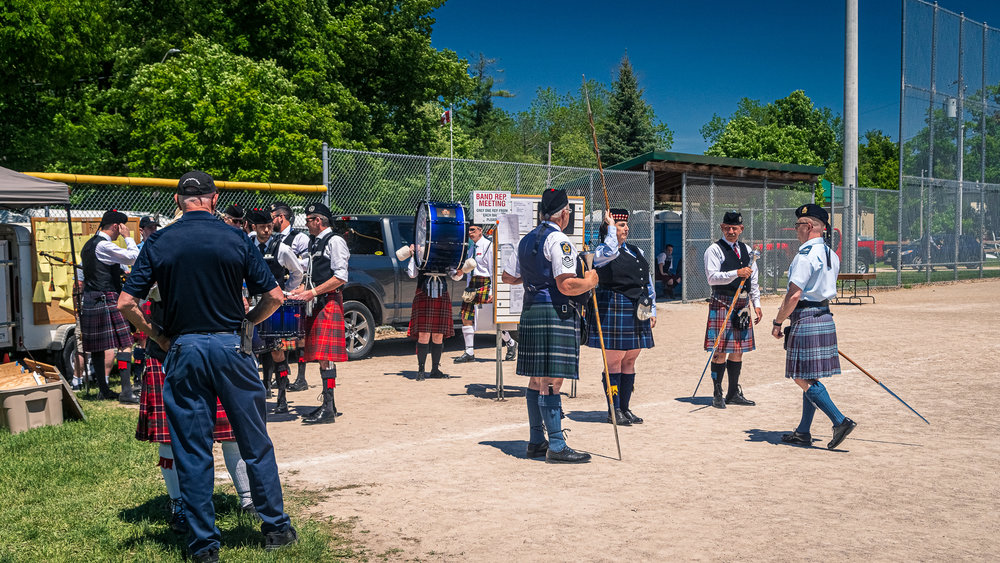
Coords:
pixel 147 222
pixel 196 182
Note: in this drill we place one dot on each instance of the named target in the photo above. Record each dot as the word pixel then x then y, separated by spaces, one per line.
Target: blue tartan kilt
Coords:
pixel 548 346
pixel 811 347
pixel 621 328
pixel 732 340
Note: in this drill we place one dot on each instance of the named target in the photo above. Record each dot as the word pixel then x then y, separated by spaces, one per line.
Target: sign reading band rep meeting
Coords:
pixel 487 207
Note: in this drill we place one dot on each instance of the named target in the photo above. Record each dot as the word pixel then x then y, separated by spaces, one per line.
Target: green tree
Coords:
pixel 878 161
pixel 226 114
pixel 631 127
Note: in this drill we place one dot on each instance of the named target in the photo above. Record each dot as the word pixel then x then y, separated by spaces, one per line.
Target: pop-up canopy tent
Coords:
pixel 18 191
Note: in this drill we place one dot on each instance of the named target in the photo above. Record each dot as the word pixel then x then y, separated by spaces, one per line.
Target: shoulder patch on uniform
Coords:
pixel 805 251
pixel 566 247
pixel 567 261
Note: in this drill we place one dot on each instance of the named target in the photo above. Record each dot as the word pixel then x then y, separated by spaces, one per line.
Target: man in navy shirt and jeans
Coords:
pixel 200 265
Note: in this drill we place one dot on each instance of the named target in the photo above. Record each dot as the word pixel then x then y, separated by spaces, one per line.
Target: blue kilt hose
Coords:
pixel 103 326
pixel 621 328
pixel 548 346
pixel 732 340
pixel 811 345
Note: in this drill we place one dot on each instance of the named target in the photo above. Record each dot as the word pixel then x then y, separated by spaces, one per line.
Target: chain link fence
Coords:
pixel 393 184
pixel 768 218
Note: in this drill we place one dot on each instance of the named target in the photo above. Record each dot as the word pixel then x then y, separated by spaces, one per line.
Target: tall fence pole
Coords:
pixel 326 174
pixel 902 98
pixel 849 246
pixel 685 282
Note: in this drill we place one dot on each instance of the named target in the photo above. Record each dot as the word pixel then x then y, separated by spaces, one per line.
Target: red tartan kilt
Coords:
pixel 153 426
pixel 431 315
pixel 325 340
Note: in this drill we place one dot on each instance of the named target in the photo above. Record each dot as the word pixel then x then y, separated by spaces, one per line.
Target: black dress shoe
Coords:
pixel 466 357
pixel 129 399
pixel 797 438
pixel 178 519
pixel 737 398
pixel 567 455
pixel 438 374
pixel 299 385
pixel 281 408
pixel 322 415
pixel 717 402
pixel 620 418
pixel 632 417
pixel 537 450
pixel 421 375
pixel 840 432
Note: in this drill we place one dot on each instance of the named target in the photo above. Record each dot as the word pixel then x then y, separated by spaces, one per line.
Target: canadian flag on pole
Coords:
pixel 446 117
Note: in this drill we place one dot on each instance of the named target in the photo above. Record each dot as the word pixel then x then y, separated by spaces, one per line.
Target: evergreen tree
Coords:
pixel 630 129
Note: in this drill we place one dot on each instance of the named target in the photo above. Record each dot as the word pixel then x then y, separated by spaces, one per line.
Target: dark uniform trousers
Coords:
pixel 201 367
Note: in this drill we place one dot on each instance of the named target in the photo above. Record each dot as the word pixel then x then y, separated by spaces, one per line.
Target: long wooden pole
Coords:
pixel 597 313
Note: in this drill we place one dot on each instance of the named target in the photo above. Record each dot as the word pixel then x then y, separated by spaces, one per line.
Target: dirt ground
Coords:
pixel 435 470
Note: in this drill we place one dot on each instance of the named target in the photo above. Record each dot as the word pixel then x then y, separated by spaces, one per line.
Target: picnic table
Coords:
pixel 851 280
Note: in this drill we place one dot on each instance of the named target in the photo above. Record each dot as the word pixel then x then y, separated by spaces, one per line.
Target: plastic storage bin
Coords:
pixel 30 407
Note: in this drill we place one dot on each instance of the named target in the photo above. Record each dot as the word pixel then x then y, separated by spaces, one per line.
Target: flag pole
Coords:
pixel 451 146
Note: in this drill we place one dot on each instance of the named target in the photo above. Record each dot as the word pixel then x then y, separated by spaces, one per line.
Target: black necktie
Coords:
pixel 262 246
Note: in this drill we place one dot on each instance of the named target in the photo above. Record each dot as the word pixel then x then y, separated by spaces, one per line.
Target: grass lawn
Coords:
pixel 89 491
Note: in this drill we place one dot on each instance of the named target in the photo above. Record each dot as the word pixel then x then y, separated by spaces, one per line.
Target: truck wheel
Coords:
pixel 862 268
pixel 359 330
pixel 66 357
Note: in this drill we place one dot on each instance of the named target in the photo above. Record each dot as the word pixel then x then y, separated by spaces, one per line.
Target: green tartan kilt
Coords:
pixel 547 345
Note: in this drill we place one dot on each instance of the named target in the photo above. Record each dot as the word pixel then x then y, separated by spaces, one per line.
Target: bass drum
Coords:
pixel 439 237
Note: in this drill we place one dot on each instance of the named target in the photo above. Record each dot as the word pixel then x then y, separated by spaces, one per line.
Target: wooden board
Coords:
pixel 51 235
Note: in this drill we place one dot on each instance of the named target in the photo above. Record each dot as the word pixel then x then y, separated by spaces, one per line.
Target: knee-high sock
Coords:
pixel 169 472
pixel 97 360
pixel 422 355
pixel 267 363
pixel 734 369
pixel 616 379
pixel 818 395
pixel 506 337
pixel 436 350
pixel 281 369
pixel 625 389
pixel 124 359
pixel 718 370
pixel 238 471
pixel 536 432
pixel 301 360
pixel 808 410
pixel 469 334
pixel 549 406
pixel 138 364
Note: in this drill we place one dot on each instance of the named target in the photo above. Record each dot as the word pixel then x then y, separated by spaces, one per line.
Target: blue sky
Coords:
pixel 693 58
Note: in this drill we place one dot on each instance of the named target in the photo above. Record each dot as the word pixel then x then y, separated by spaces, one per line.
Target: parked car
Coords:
pixel 940 249
pixel 378 291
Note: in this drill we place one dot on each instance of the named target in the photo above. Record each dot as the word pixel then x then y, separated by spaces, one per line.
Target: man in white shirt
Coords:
pixel 103 326
pixel 480 281
pixel 325 337
pixel 727 263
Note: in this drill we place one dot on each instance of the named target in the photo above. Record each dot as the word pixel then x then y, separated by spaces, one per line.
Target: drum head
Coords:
pixel 421 234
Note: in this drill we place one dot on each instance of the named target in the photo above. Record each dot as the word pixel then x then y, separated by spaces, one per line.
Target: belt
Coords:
pixel 203 333
pixel 821 304
pixel 727 292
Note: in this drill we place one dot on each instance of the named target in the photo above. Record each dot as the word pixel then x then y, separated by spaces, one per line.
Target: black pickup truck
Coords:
pixel 378 291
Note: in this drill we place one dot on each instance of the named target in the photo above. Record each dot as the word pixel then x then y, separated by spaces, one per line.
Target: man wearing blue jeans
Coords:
pixel 199 264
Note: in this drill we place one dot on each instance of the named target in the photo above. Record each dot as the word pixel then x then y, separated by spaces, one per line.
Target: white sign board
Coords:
pixel 487 207
pixel 522 218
